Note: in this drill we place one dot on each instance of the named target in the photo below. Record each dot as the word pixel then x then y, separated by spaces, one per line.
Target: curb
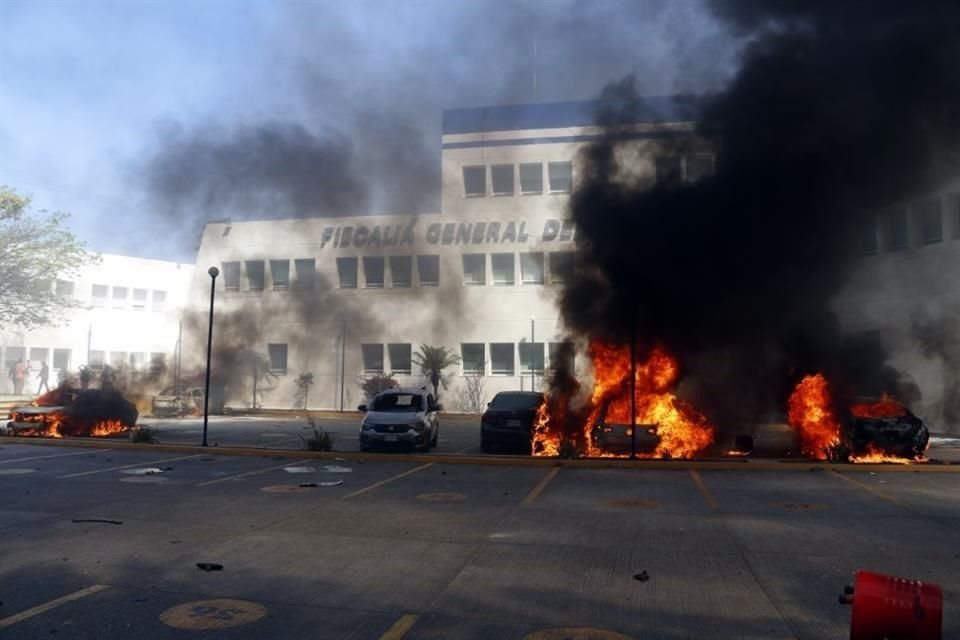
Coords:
pixel 496 461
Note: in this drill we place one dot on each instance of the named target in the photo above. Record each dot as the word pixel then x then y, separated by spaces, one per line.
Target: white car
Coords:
pixel 400 418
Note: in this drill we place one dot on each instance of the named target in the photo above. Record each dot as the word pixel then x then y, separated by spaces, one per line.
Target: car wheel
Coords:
pixel 485 445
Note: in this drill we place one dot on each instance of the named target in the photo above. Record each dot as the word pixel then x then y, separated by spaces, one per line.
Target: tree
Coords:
pixel 473 395
pixel 304 381
pixel 376 383
pixel 432 361
pixel 35 250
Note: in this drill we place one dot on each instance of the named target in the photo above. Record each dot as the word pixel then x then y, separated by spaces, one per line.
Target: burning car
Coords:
pixel 169 403
pixel 68 413
pixel 885 426
pixel 618 439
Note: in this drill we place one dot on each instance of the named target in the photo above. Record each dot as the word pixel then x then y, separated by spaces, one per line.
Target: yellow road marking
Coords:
pixel 400 627
pixel 42 608
pixel 59 455
pixel 708 496
pixel 288 463
pixel 871 490
pixel 383 482
pixel 537 490
pixel 127 466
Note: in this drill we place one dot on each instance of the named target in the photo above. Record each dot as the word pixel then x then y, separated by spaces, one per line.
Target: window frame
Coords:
pixel 393 261
pixel 367 261
pixel 343 261
pixel 530 348
pixel 370 371
pixel 284 283
pixel 553 255
pixel 527 192
pixel 273 347
pixel 139 305
pixel 506 347
pixel 550 178
pixel 472 256
pixel 523 272
pixel 421 260
pixel 482 370
pixel 158 304
pixel 474 168
pixel 231 268
pixel 493 269
pixel 408 370
pixel 500 169
pixel 263 274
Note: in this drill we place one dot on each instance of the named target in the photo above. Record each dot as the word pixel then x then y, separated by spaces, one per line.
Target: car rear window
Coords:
pixel 515 401
pixel 398 402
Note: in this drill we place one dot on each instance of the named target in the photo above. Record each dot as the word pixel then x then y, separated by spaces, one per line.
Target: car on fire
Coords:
pixel 168 403
pixel 69 412
pixel 508 420
pixel 400 418
pixel 618 438
pixel 885 426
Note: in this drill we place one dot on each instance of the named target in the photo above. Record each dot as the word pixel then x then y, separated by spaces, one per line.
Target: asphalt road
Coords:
pixel 92 546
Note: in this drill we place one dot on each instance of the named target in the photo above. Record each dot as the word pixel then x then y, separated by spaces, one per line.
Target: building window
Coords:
pixel 531 178
pixel 501 177
pixel 98 295
pixel 159 300
pixel 373 272
pixel 254 275
pixel 400 358
pixel 139 299
pixel 534 349
pixel 896 229
pixel 669 170
pixel 278 358
pixel 501 359
pixel 118 359
pixel 561 176
pixel 401 268
pixel 97 358
pixel 474 182
pixel 561 267
pixel 38 355
pixel 158 362
pixel 231 276
pixel 503 269
pixel 61 359
pixel 562 356
pixel 372 358
pixel 868 237
pixel 120 297
pixel 428 270
pixel 306 270
pixel 280 274
pixel 347 271
pixel 475 269
pixel 531 268
pixel 699 167
pixel 64 288
pixel 472 357
pixel 931 220
pixel 137 361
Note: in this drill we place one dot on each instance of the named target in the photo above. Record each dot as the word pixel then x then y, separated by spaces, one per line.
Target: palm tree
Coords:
pixel 432 361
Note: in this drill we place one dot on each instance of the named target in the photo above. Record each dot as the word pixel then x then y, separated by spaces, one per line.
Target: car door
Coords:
pixel 432 413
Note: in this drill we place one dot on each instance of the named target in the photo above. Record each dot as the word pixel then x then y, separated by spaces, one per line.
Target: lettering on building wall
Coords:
pixel 443 233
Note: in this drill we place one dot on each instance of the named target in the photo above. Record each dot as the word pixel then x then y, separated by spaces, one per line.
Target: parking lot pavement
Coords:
pixel 105 543
pixel 458 433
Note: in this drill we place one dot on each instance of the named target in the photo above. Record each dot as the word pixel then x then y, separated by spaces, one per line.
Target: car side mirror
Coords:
pixel 489 404
pixel 362 407
pixel 438 407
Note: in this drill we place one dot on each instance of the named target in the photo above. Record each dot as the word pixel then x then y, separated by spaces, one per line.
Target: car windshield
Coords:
pixel 516 401
pixel 398 403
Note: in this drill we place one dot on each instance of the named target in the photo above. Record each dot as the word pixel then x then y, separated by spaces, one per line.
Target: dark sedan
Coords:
pixel 508 420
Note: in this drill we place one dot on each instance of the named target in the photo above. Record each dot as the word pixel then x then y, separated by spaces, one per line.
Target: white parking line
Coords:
pixel 127 466
pixel 288 463
pixel 53 604
pixel 59 455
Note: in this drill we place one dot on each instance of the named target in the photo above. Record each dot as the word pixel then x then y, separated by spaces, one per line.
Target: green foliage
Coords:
pixel 432 362
pixel 320 440
pixel 35 250
pixel 376 383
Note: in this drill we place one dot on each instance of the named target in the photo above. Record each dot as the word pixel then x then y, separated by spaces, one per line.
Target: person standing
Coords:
pixel 19 377
pixel 43 377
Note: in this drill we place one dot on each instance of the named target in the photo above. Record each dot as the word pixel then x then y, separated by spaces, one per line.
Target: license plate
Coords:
pixel 514 423
pixel 391 438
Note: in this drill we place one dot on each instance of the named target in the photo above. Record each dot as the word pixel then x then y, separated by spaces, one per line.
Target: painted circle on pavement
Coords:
pixel 576 633
pixel 15 472
pixel 442 497
pixel 284 488
pixel 212 614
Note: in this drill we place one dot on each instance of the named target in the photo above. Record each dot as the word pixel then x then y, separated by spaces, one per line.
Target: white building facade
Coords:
pixel 128 317
pixel 347 298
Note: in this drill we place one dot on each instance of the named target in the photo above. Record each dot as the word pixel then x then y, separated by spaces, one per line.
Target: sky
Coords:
pixel 139 118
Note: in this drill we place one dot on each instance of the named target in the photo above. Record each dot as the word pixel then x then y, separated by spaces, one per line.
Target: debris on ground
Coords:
pixel 308 484
pixel 299 469
pixel 210 566
pixel 339 459
pixel 643 576
pixel 335 469
pixel 146 471
pixel 335 483
pixel 101 520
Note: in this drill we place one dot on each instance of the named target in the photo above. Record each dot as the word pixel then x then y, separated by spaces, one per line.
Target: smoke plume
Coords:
pixel 837 110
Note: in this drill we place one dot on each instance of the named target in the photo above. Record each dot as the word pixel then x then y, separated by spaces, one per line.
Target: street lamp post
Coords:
pixel 533 357
pixel 214 272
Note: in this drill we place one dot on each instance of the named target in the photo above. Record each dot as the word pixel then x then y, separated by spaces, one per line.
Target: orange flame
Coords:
pixel 683 432
pixel 874 455
pixel 887 407
pixel 107 428
pixel 810 412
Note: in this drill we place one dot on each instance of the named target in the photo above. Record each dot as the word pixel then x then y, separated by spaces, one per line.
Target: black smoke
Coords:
pixel 837 110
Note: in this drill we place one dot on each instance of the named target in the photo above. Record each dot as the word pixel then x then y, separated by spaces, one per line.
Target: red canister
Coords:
pixel 890 608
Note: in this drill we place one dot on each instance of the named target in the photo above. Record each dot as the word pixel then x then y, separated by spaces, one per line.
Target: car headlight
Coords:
pixel 366 427
pixel 419 426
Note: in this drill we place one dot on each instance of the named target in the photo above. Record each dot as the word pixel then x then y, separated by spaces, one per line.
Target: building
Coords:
pixel 348 298
pixel 128 317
